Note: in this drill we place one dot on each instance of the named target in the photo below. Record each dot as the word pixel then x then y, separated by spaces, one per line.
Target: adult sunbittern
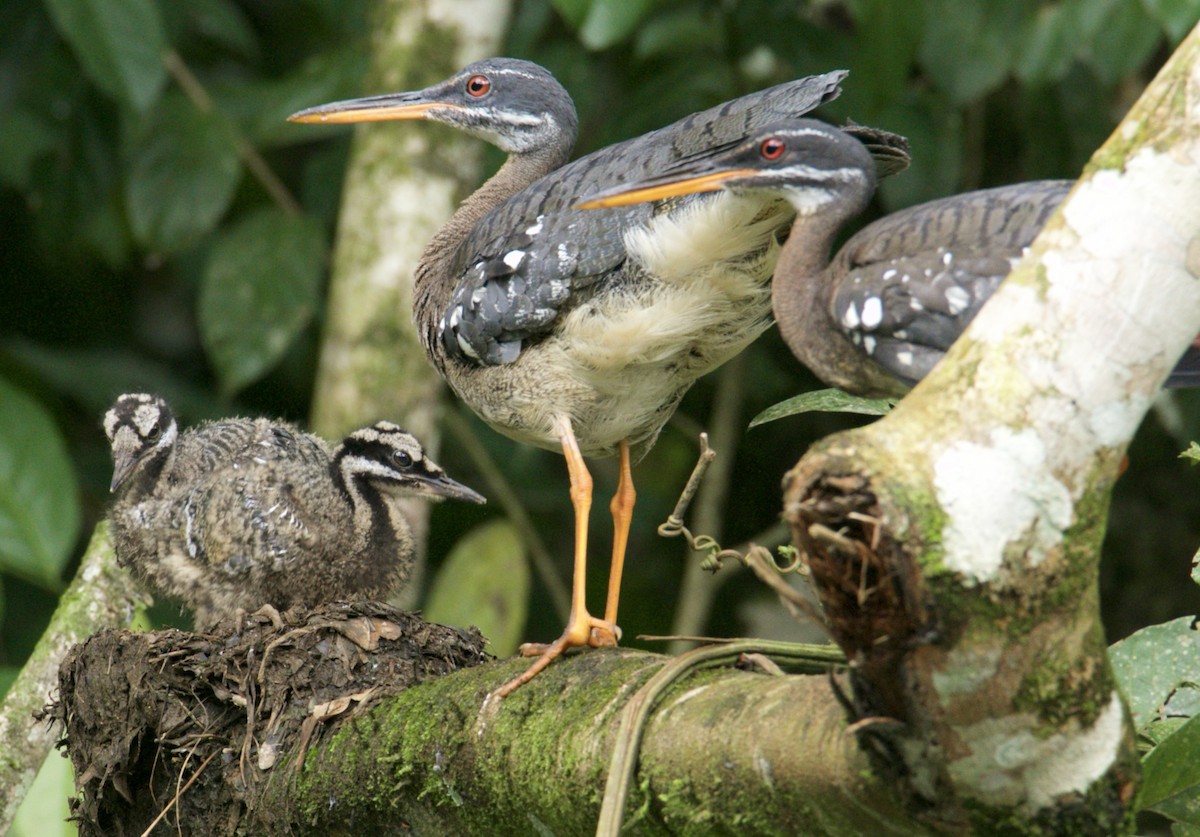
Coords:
pixel 581 331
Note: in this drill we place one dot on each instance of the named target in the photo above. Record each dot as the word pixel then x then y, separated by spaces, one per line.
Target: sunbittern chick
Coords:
pixel 150 454
pixel 294 526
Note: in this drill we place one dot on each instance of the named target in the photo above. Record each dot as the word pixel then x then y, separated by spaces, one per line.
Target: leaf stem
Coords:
pixel 254 162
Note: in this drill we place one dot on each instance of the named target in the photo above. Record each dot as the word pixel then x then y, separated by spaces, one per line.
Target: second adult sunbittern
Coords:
pixel 581 331
pixel 877 317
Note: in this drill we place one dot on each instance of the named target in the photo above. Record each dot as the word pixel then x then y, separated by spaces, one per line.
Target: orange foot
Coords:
pixel 588 632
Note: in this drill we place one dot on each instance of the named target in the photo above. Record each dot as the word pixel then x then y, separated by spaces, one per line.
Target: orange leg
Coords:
pixel 622 514
pixel 582 629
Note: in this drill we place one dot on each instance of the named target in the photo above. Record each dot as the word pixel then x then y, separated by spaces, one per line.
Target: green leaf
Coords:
pixel 484 582
pixel 929 123
pixel 1171 776
pixel 184 170
pixel 966 47
pixel 91 377
pixel 260 288
pixel 609 22
pixel 1182 829
pixel 119 43
pixel 1192 453
pixel 1047 45
pixel 78 193
pixel 261 105
pixel 39 504
pixel 825 401
pixel 7 675
pixel 890 33
pixel 222 22
pixel 1156 732
pixel 573 12
pixel 1159 670
pixel 1176 16
pixel 1124 43
pixel 680 32
pixel 23 138
pixel 45 811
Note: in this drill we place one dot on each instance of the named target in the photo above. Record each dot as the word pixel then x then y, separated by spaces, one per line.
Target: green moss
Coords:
pixel 1057 691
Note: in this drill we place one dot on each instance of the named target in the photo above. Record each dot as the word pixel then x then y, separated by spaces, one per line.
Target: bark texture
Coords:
pixel 403 182
pixel 955 543
pixel 102 595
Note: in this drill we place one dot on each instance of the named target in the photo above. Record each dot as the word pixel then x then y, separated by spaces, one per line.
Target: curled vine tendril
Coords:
pixel 788 559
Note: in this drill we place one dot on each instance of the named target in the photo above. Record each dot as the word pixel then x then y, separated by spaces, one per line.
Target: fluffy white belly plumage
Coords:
pixel 697 294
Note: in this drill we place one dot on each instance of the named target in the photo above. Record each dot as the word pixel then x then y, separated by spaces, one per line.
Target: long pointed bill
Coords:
pixel 385 108
pixel 657 188
pixel 441 485
pixel 123 466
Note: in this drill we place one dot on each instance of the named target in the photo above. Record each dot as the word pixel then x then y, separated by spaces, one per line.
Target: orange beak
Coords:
pixel 657 188
pixel 384 108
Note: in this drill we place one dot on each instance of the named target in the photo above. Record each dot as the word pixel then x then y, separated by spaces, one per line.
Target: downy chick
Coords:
pixel 242 524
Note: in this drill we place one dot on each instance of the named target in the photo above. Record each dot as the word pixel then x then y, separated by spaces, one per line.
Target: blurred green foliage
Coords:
pixel 167 230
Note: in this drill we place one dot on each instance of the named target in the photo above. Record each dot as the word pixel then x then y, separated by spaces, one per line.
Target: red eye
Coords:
pixel 772 148
pixel 478 86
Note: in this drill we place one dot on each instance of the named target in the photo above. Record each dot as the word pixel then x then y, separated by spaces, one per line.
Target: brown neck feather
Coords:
pixel 802 299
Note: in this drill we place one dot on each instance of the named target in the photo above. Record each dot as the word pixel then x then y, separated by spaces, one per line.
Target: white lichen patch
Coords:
pixel 1115 422
pixel 1010 765
pixel 1193 257
pixel 995 494
pixel 1112 305
pixel 1134 228
pixel 763 767
pixel 966 669
pixel 997 323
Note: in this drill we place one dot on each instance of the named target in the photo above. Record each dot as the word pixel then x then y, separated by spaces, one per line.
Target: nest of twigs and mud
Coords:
pixel 178 733
pixel 869 587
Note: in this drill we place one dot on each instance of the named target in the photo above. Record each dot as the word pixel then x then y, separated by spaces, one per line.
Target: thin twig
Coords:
pixel 254 162
pixel 675 521
pixel 758 558
pixel 761 562
pixel 710 640
pixel 697 590
pixel 500 488
pixel 179 793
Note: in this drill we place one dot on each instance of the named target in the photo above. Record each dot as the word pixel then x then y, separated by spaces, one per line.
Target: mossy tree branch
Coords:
pixel 955 543
pixel 102 595
pixel 726 752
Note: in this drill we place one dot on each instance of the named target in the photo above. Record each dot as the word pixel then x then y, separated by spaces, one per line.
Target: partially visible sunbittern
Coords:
pixel 877 317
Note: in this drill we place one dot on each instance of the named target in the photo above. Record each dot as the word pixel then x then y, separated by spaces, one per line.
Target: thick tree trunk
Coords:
pixel 955 543
pixel 403 182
